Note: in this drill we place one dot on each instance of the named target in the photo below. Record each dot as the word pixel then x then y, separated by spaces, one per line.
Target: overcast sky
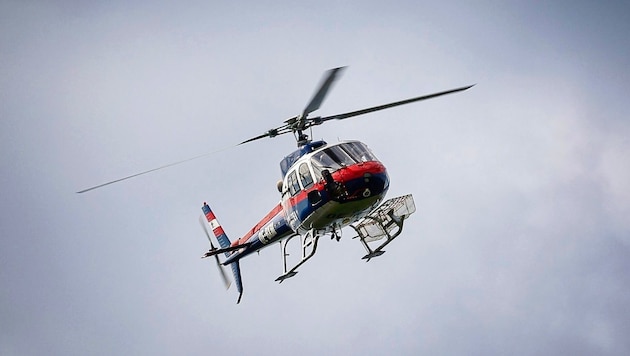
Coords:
pixel 521 239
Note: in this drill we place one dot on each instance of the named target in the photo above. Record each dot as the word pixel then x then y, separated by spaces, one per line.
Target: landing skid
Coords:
pixel 386 221
pixel 308 244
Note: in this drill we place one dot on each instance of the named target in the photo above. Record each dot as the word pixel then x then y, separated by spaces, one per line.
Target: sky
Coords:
pixel 521 239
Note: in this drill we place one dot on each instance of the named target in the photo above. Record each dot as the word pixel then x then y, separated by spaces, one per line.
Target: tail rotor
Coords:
pixel 224 276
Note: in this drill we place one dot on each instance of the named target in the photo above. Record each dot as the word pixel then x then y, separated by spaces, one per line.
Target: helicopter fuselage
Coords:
pixel 324 188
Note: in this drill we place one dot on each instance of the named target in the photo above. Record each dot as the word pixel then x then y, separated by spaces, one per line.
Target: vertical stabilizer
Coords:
pixel 224 242
pixel 217 230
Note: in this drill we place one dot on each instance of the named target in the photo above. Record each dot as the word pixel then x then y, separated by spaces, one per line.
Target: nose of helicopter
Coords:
pixel 364 180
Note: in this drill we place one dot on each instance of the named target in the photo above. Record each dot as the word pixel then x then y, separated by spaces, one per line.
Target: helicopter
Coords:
pixel 324 189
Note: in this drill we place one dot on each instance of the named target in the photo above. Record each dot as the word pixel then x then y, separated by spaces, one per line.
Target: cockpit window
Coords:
pixel 305 176
pixel 358 151
pixel 342 155
pixel 332 158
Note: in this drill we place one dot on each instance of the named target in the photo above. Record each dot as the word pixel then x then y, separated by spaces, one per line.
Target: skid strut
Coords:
pixel 308 244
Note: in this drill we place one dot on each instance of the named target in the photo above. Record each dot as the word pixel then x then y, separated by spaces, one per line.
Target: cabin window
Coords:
pixel 305 176
pixel 292 182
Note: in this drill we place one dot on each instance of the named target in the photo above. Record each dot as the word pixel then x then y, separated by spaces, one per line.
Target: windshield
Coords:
pixel 339 156
pixel 359 151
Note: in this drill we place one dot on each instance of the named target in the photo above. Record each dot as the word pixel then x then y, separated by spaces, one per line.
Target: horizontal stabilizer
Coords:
pixel 216 251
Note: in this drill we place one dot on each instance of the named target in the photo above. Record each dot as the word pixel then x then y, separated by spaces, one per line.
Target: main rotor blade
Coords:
pixel 153 170
pixel 297 123
pixel 271 133
pixel 390 105
pixel 318 98
pixel 266 134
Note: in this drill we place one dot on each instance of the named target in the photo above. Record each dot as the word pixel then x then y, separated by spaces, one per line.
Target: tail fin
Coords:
pixel 224 242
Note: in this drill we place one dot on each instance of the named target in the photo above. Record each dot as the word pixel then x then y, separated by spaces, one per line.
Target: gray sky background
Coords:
pixel 521 241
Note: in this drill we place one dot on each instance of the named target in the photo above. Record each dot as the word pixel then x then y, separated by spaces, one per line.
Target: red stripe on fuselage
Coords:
pixel 358 170
pixel 258 226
